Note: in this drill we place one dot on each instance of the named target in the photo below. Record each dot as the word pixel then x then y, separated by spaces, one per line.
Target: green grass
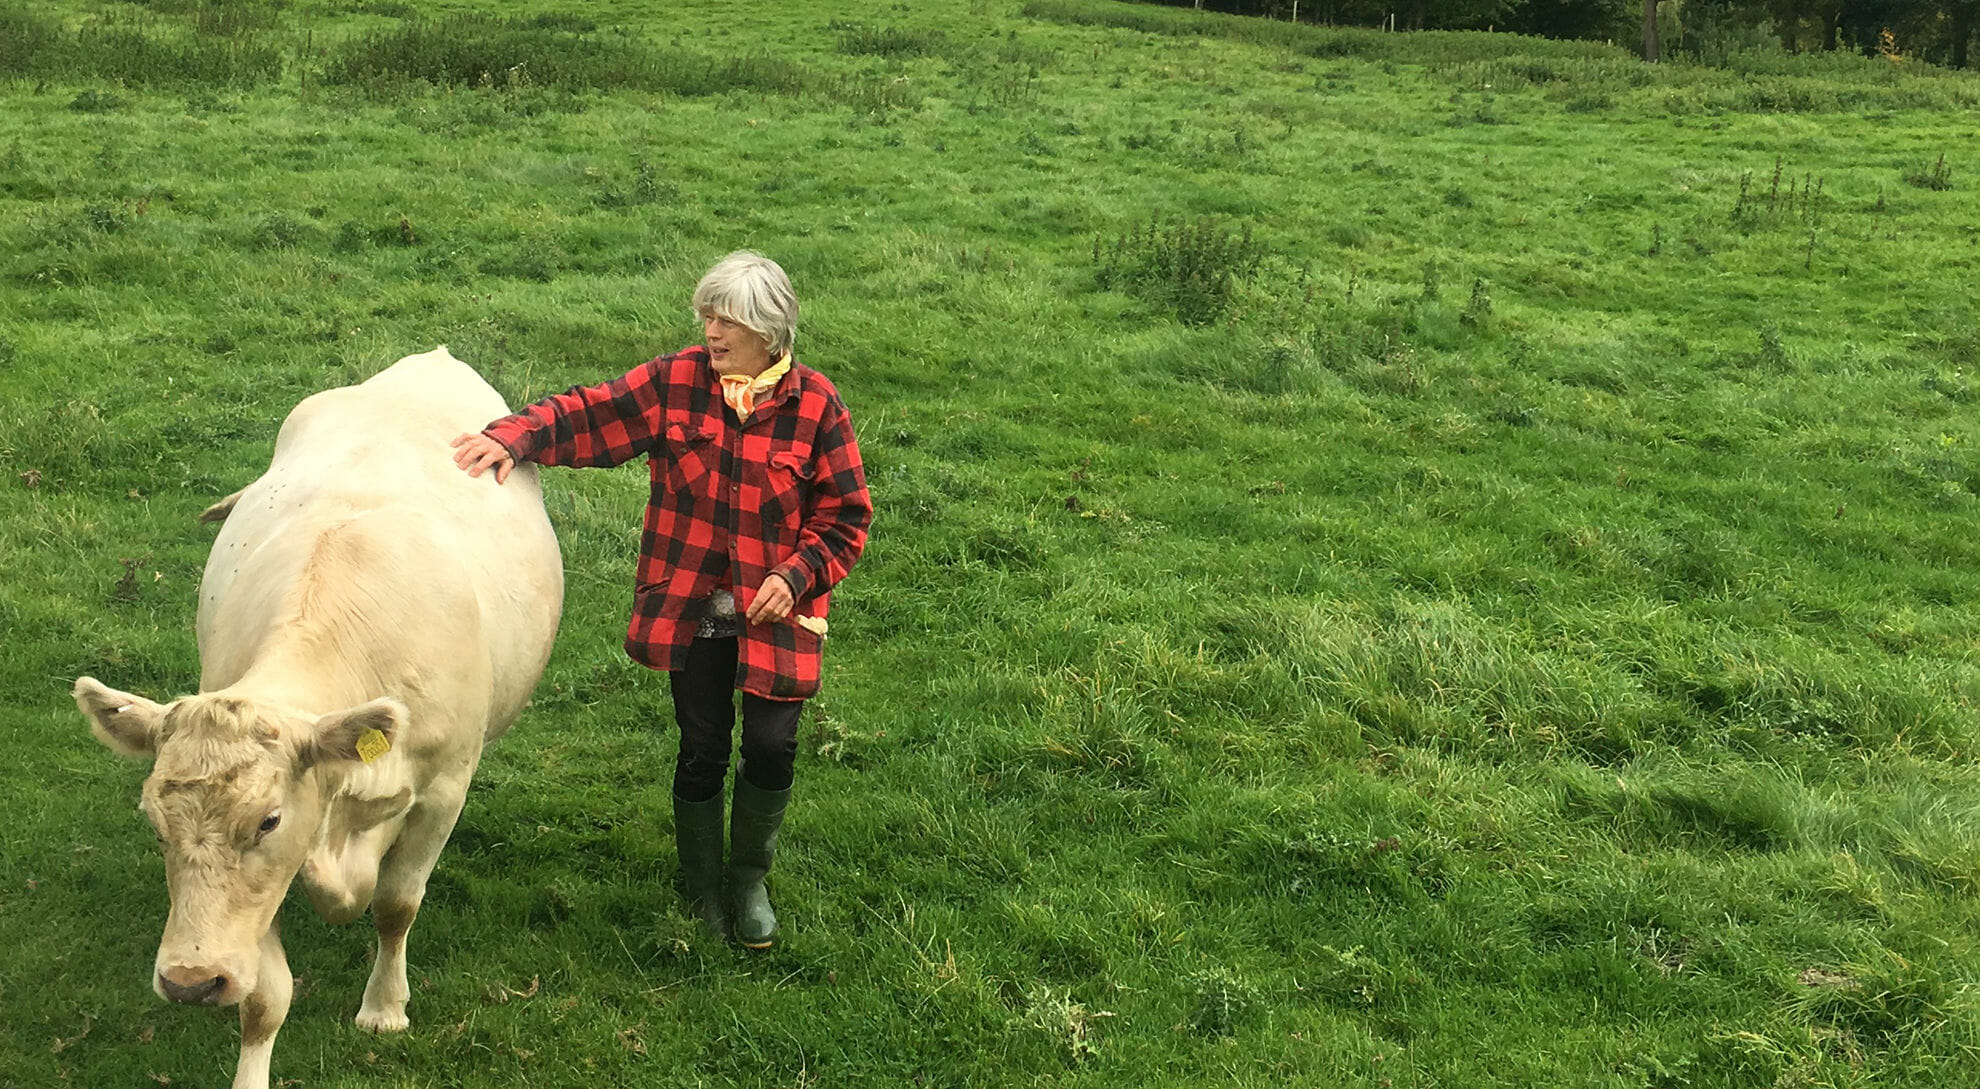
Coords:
pixel 1426 559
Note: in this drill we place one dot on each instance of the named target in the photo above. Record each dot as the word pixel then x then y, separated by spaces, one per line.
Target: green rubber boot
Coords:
pixel 698 841
pixel 753 825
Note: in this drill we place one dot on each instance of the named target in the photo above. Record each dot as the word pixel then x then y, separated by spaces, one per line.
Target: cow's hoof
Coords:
pixel 382 1021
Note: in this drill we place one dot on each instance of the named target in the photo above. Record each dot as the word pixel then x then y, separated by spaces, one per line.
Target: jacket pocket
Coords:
pixel 788 488
pixel 690 455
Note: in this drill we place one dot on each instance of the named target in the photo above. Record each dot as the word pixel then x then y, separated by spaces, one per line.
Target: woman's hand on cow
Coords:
pixel 773 601
pixel 475 453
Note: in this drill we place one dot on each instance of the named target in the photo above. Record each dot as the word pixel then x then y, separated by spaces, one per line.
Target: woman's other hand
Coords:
pixel 773 601
pixel 474 453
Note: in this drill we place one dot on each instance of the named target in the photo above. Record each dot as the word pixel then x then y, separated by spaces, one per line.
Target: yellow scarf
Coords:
pixel 741 390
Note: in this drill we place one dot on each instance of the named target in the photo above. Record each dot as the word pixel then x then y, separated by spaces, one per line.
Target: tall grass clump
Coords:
pixel 28 42
pixel 205 50
pixel 1937 176
pixel 491 51
pixel 571 56
pixel 225 17
pixel 1886 997
pixel 1188 266
pixel 890 41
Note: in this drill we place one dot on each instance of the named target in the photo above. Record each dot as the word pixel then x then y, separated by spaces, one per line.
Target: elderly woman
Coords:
pixel 758 508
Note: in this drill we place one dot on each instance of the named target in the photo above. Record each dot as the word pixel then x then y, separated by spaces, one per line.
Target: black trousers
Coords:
pixel 705 708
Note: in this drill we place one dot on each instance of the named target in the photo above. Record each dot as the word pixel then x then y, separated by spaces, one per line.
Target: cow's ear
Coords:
pixel 126 723
pixel 365 732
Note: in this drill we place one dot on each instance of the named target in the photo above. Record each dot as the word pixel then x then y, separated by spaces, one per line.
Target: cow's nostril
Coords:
pixel 204 993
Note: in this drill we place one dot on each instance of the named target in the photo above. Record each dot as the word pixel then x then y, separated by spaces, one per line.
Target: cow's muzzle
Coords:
pixel 203 992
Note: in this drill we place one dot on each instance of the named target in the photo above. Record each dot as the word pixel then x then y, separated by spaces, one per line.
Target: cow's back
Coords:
pixel 363 497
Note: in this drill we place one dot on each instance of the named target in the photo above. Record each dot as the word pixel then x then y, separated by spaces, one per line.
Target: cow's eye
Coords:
pixel 268 824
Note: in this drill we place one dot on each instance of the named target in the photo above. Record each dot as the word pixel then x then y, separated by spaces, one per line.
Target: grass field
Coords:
pixel 1408 560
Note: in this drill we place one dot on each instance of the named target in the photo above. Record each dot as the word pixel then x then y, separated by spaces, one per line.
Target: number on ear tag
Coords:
pixel 371 745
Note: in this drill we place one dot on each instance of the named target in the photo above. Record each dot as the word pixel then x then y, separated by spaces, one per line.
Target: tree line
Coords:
pixel 1937 31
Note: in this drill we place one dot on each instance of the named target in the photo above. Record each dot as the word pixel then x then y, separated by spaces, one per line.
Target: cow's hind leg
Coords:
pixel 401 886
pixel 263 1012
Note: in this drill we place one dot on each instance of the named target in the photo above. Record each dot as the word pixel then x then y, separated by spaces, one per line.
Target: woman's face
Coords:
pixel 734 348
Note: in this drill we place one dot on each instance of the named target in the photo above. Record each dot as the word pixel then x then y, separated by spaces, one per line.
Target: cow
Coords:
pixel 370 616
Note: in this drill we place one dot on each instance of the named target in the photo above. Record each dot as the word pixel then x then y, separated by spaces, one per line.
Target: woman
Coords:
pixel 758 508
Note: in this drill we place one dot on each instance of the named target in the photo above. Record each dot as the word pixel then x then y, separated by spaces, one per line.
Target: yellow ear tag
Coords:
pixel 371 745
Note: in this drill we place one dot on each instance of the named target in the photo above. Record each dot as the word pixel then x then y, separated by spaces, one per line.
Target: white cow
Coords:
pixel 369 618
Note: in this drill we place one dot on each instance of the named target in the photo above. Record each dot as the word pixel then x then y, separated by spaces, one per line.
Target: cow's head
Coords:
pixel 236 799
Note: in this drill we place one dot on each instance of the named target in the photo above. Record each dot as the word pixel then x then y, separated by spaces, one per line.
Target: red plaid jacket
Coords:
pixel 731 504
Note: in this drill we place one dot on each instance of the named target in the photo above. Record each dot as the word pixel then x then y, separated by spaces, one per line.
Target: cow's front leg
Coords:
pixel 263 1011
pixel 401 886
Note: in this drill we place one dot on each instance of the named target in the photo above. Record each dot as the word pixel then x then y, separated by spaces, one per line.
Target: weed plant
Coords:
pixel 1466 582
pixel 1937 176
pixel 1189 267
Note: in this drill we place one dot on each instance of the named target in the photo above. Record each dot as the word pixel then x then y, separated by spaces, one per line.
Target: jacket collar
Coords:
pixel 786 388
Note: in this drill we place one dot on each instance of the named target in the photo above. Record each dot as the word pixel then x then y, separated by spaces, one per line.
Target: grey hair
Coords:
pixel 751 290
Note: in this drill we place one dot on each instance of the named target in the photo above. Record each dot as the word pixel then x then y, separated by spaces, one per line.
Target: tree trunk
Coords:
pixel 1650 31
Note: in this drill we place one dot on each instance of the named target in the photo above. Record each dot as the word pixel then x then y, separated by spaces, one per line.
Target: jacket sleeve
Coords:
pixel 839 511
pixel 589 426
